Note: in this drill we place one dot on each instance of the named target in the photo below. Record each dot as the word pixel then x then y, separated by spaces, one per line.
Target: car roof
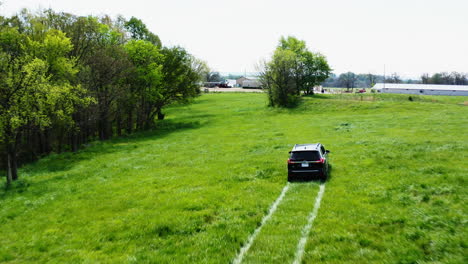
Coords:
pixel 306 147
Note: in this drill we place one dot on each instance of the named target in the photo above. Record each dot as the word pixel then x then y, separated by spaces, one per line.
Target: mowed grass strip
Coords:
pixel 193 190
pixel 278 239
pixel 306 229
pixel 245 248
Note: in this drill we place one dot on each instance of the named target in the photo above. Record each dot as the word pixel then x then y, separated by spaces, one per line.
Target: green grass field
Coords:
pixel 196 188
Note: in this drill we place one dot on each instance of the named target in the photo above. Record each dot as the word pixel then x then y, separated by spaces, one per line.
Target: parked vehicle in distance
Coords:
pixel 362 90
pixel 307 161
pixel 224 84
pixel 211 84
pixel 221 84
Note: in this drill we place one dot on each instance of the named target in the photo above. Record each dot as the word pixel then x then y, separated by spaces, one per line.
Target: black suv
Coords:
pixel 306 160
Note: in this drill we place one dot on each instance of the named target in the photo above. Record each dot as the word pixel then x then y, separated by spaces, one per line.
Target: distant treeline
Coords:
pixel 454 78
pixel 66 80
pixel 353 80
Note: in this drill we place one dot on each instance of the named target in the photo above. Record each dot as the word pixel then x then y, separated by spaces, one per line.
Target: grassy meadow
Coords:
pixel 195 188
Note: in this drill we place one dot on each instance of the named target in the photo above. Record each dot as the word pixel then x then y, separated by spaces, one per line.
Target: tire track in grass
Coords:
pixel 277 242
pixel 252 237
pixel 306 229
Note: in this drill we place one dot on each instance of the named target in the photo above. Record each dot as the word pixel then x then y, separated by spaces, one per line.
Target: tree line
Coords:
pixel 66 80
pixel 453 78
pixel 351 80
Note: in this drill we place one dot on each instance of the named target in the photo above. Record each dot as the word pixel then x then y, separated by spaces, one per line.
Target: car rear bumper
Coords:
pixel 305 174
pixel 305 171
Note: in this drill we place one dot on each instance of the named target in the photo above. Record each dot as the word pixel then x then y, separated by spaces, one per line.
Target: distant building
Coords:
pixel 422 89
pixel 240 81
pixel 248 82
pixel 231 82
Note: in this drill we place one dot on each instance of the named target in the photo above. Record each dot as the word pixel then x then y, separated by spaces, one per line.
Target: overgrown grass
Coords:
pixel 193 190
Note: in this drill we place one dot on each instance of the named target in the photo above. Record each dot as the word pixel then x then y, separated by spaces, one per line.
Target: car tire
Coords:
pixel 324 176
pixel 290 178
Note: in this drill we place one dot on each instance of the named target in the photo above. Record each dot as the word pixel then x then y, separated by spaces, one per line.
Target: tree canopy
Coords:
pixel 66 80
pixel 292 70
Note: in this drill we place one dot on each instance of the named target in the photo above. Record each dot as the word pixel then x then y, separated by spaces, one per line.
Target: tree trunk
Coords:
pixel 41 142
pixel 74 140
pixel 12 165
pixel 160 114
pixel 129 121
pixel 119 124
pixel 104 126
pixel 139 120
pixel 9 173
pixel 59 136
pixel 45 138
pixel 149 122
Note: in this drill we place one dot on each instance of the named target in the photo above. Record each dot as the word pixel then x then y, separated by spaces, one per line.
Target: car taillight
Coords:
pixel 289 161
pixel 322 160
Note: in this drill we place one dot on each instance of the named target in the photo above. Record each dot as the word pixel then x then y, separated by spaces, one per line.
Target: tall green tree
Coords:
pixel 201 68
pixel 394 78
pixel 213 76
pixel 371 79
pixel 310 69
pixel 348 80
pixel 34 87
pixel 107 71
pixel 279 80
pixel 293 69
pixel 180 78
pixel 138 30
pixel 147 80
pixel 103 71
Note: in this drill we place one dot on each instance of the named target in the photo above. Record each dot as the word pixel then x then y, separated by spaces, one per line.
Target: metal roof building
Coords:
pixel 249 82
pixel 422 89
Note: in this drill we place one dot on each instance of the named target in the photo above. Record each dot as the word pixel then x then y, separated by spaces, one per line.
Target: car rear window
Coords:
pixel 305 155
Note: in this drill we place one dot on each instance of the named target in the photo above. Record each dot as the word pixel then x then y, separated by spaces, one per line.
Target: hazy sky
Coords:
pixel 410 37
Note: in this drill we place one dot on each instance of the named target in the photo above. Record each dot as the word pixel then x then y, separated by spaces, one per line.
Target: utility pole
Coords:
pixel 384 76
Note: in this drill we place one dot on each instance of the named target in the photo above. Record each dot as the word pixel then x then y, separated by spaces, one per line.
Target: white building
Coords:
pixel 231 82
pixel 248 82
pixel 251 83
pixel 422 89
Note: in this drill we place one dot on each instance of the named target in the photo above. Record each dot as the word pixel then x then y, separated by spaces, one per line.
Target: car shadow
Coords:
pixel 58 165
